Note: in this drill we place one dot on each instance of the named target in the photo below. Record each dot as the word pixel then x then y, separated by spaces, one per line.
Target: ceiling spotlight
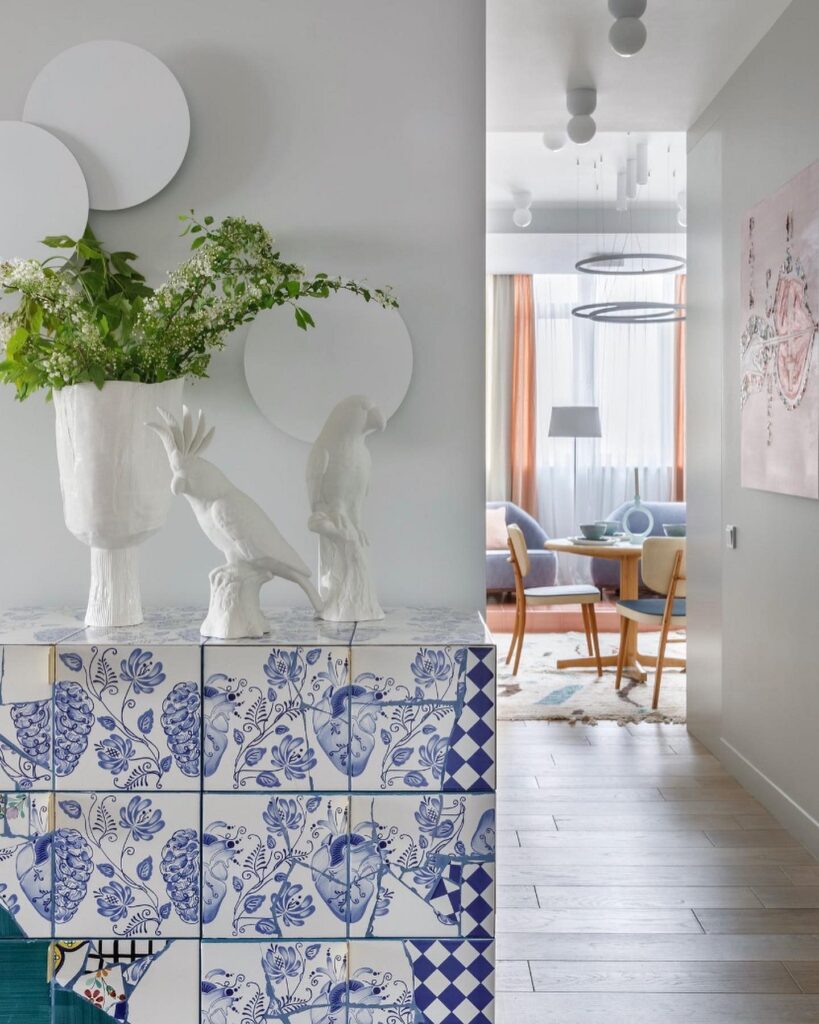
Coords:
pixel 642 163
pixel 627 36
pixel 581 104
pixel 581 129
pixel 554 141
pixel 522 215
pixel 627 8
pixel 631 178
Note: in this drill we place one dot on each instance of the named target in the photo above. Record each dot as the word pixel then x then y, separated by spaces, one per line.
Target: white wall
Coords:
pixel 355 131
pixel 759 131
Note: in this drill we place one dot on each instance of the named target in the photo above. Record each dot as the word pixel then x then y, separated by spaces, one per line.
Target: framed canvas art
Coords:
pixel 779 382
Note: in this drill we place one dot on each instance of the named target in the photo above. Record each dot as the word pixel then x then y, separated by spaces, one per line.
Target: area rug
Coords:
pixel 540 691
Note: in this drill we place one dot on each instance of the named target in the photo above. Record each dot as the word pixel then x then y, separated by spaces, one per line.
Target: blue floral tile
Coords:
pixel 414 627
pixel 433 981
pixel 274 865
pixel 139 980
pixel 25 717
pixel 286 982
pixel 405 705
pixel 294 626
pixel 25 865
pixel 276 718
pixel 422 865
pixel 126 864
pixel 127 718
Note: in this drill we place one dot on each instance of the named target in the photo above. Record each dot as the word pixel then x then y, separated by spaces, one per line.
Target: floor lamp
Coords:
pixel 575 421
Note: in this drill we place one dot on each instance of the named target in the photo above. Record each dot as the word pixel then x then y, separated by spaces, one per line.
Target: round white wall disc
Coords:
pixel 121 113
pixel 296 377
pixel 42 192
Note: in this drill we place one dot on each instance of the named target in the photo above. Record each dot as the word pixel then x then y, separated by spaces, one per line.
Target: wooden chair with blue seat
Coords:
pixel 664 572
pixel 583 594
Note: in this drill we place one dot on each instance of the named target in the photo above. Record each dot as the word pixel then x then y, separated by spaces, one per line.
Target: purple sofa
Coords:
pixel 499 575
pixel 605 572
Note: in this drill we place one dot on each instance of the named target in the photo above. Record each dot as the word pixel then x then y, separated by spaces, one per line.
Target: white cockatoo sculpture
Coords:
pixel 338 478
pixel 254 549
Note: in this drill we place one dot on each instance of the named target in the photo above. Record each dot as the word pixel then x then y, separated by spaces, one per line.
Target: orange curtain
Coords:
pixel 522 440
pixel 678 481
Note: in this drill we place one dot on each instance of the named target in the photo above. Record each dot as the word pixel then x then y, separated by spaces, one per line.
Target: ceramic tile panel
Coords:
pixel 274 865
pixel 276 718
pixel 422 865
pixel 25 865
pixel 25 716
pixel 39 625
pixel 437 981
pixel 127 717
pixel 415 627
pixel 295 626
pixel 138 980
pixel 168 627
pixel 126 864
pixel 289 982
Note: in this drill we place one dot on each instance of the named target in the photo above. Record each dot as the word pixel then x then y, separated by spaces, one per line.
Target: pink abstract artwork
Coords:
pixel 779 383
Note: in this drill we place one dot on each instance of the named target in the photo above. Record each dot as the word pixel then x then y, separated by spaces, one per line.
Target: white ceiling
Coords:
pixel 518 161
pixel 538 48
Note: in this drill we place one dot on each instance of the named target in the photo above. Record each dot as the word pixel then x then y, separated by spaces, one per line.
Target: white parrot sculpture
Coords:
pixel 234 523
pixel 338 479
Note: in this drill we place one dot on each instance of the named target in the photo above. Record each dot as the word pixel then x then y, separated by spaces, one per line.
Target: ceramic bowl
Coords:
pixel 593 531
pixel 612 527
pixel 674 529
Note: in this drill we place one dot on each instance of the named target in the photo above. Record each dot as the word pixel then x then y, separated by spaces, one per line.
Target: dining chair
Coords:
pixel 583 594
pixel 664 572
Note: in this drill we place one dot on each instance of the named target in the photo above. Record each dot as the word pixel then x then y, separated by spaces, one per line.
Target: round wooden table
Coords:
pixel 628 555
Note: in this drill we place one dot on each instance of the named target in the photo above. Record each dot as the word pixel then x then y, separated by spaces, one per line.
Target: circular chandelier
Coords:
pixel 623 264
pixel 631 312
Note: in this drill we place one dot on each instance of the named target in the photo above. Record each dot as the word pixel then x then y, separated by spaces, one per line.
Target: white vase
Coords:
pixel 115 483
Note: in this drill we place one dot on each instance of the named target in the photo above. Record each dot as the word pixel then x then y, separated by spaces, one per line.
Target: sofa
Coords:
pixel 500 578
pixel 605 572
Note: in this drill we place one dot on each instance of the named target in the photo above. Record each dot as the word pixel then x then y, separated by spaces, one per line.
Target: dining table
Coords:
pixel 628 553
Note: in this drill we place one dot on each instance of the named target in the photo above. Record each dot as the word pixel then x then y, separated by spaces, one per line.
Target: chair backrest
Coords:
pixel 517 547
pixel 659 556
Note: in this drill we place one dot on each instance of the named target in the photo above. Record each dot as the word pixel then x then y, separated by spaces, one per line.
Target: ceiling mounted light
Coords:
pixel 627 35
pixel 554 141
pixel 631 312
pixel 642 163
pixel 631 178
pixel 627 264
pixel 581 104
pixel 522 215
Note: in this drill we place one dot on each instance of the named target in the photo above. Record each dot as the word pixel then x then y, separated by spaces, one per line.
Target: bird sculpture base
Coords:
pixel 235 604
pixel 345 582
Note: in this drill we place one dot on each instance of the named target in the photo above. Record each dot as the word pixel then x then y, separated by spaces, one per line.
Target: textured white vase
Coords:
pixel 115 483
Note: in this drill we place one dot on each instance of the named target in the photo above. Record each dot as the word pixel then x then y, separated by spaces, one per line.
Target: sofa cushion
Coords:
pixel 496 536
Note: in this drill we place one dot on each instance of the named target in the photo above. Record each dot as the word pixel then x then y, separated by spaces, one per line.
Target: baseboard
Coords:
pixel 785 809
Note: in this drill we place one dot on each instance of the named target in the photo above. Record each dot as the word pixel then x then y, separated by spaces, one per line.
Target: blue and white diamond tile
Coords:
pixel 25 865
pixel 275 865
pixel 470 758
pixel 138 980
pixel 404 706
pixel 431 981
pixel 276 718
pixel 289 982
pixel 126 864
pixel 127 718
pixel 422 865
pixel 25 717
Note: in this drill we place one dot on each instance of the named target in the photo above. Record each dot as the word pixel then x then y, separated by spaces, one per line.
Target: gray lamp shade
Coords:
pixel 575 421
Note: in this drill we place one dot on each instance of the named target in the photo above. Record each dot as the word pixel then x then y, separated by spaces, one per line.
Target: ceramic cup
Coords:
pixel 593 531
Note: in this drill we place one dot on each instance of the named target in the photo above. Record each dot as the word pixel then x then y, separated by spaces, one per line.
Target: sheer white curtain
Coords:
pixel 628 371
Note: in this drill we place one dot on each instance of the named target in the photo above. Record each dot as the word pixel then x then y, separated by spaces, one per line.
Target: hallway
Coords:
pixel 638 882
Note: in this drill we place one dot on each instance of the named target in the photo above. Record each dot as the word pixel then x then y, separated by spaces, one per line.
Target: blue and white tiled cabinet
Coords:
pixel 297 829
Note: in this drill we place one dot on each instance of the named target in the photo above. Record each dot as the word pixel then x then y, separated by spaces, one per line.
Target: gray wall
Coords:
pixel 355 131
pixel 759 131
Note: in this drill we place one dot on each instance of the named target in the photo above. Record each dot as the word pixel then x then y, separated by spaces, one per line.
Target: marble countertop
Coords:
pixel 173 626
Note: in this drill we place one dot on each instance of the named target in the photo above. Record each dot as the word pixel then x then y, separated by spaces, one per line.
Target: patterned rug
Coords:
pixel 541 691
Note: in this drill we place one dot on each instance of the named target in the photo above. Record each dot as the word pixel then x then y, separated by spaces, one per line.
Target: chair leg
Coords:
pixel 621 653
pixel 592 616
pixel 521 635
pixel 584 609
pixel 655 700
pixel 514 635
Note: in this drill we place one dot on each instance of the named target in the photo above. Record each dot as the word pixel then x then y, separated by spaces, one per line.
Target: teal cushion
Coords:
pixel 654 606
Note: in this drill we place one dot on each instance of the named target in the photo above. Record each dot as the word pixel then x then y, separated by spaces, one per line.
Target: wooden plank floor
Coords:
pixel 638 882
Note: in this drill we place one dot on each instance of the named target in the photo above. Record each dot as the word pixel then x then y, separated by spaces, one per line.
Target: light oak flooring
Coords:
pixel 639 883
